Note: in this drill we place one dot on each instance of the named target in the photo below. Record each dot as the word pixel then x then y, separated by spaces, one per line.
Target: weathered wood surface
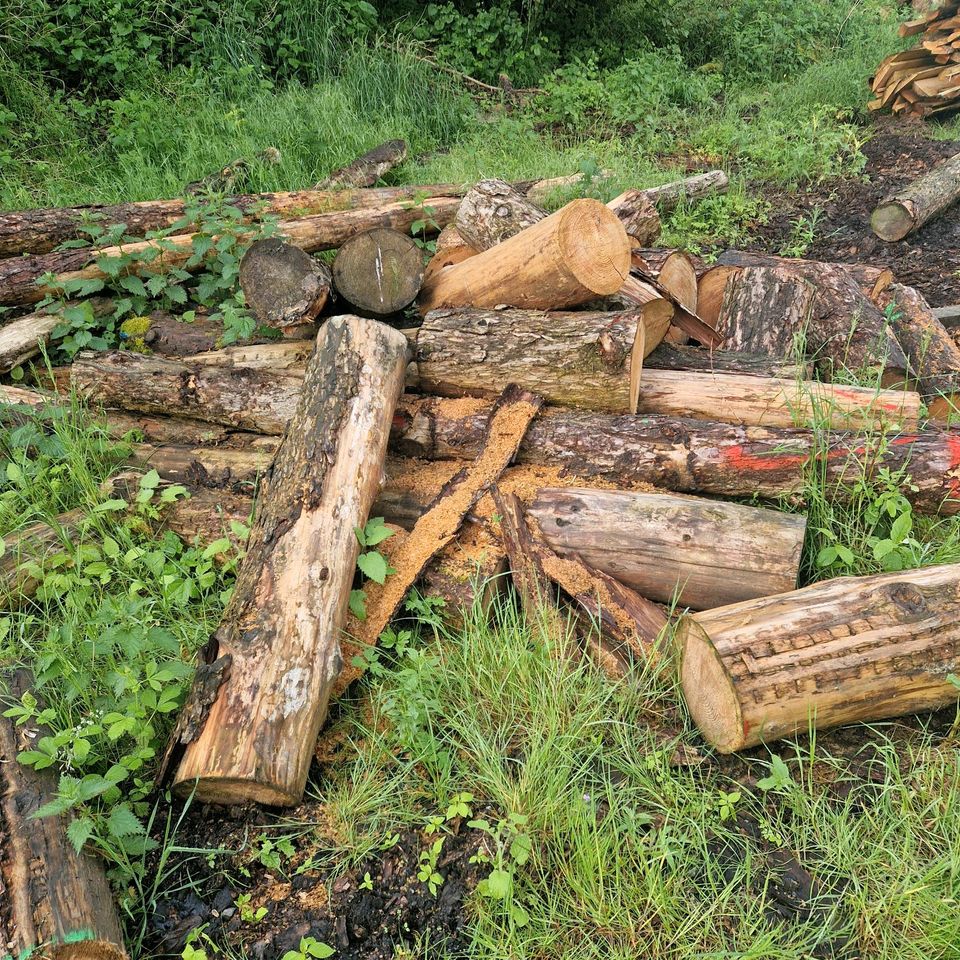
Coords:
pixel 367 169
pixel 691 456
pixel 638 215
pixel 379 272
pixel 55 903
pixel 583 358
pixel 700 185
pixel 492 211
pixel 283 285
pixel 910 207
pixel 577 254
pixel 25 338
pixel 277 650
pixel 703 553
pixel 638 290
pixel 670 356
pixel 846 650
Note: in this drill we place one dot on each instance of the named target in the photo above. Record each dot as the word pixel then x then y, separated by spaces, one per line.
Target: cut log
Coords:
pixel 232 175
pixel 658 312
pixel 54 902
pixel 671 270
pixel 843 651
pixel 933 355
pixel 701 553
pixel 367 169
pixel 638 215
pixel 26 337
pixel 691 456
pixel 915 204
pixel 949 316
pixel 286 357
pixel 737 398
pixel 277 650
pixel 492 211
pixel 236 469
pixel 637 290
pixel 439 525
pixel 711 285
pixel 380 272
pixel 577 254
pixel 283 286
pixel 450 249
pixel 701 185
pixel 323 231
pixel 169 335
pixel 583 359
pixel 669 356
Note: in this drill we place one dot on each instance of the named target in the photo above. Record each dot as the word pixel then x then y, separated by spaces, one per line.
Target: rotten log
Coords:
pixel 700 185
pixel 54 902
pixel 492 211
pixel 671 356
pixel 853 649
pixel 583 359
pixel 910 207
pixel 231 175
pixel 701 553
pixel 577 254
pixel 367 169
pixel 277 647
pixel 283 286
pixel 26 337
pixel 379 272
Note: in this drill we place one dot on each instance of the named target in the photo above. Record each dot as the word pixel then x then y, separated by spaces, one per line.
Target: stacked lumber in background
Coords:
pixel 923 81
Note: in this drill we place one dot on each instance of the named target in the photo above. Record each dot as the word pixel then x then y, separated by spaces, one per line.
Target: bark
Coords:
pixel 701 553
pixel 701 185
pixel 669 356
pixel 322 231
pixel 758 401
pixel 232 175
pixel 367 169
pixel 171 336
pixel 919 202
pixel 492 211
pixel 949 316
pixel 690 456
pixel 934 356
pixel 284 357
pixel 843 651
pixel 224 468
pixel 574 255
pixel 583 359
pixel 638 215
pixel 380 272
pixel 54 902
pixel 277 650
pixel 283 286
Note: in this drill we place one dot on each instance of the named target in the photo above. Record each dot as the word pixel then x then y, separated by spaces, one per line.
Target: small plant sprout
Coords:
pixel 371 563
pixel 309 947
pixel 727 804
pixel 248 913
pixel 779 779
pixel 427 872
pixel 459 806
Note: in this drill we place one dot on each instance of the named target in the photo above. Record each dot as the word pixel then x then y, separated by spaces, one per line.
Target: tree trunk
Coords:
pixel 492 211
pixel 323 231
pixel 933 355
pixel 286 357
pixel 701 185
pixel 574 255
pixel 690 456
pixel 738 398
pixel 638 215
pixel 367 169
pixel 704 553
pixel 277 649
pixel 669 356
pixel 912 206
pixel 54 902
pixel 843 651
pixel 583 359
pixel 380 272
pixel 658 312
pixel 283 286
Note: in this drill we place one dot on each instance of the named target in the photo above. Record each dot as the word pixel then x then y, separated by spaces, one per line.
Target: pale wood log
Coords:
pixel 843 651
pixel 283 285
pixel 670 356
pixel 277 650
pixel 24 338
pixel 492 211
pixel 711 285
pixel 54 902
pixel 367 169
pixel 284 357
pixel 576 254
pixel 637 290
pixel 910 207
pixel 379 272
pixel 583 359
pixel 703 553
pixel 658 312
pixel 949 316
pixel 638 215
pixel 450 249
pixel 672 270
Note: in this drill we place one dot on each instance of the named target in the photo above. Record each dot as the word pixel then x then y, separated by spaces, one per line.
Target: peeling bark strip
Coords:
pixel 691 456
pixel 508 423
pixel 55 903
pixel 911 207
pixel 705 552
pixel 846 650
pixel 367 169
pixel 282 624
pixel 584 359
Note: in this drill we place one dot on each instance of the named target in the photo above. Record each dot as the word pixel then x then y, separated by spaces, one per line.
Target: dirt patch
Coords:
pixel 897 153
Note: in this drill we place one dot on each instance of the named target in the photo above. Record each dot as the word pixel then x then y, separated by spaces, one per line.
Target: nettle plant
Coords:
pixel 158 274
pixel 372 563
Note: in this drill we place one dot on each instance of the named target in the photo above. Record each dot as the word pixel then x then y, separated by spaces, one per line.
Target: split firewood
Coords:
pixel 283 286
pixel 843 651
pixel 932 352
pixel 322 231
pixel 701 185
pixel 690 456
pixel 508 423
pixel 577 254
pixel 671 356
pixel 583 359
pixel 701 553
pixel 54 902
pixel 671 270
pixel 379 272
pixel 492 211
pixel 257 706
pixel 658 312
pixel 711 285
pixel 919 202
pixel 367 169
pixel 638 215
pixel 637 289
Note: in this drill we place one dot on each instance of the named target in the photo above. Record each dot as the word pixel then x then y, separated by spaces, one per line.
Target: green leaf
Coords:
pixel 218 546
pixel 78 832
pixel 376 531
pixel 358 604
pixel 826 556
pixel 497 884
pixel 123 822
pixel 901 527
pixel 133 284
pixel 520 848
pixel 373 565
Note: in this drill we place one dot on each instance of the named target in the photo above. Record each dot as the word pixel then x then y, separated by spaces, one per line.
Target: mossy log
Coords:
pixel 368 168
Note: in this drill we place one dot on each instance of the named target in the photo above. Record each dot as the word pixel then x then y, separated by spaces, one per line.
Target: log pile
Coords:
pixel 547 395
